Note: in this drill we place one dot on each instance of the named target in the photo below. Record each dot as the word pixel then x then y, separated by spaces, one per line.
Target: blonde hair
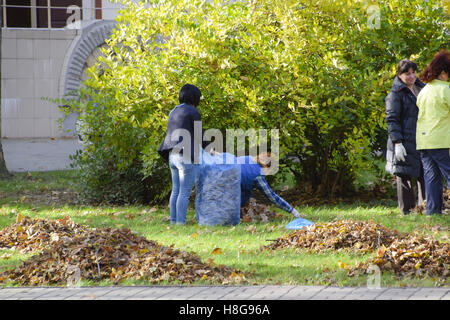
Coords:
pixel 264 159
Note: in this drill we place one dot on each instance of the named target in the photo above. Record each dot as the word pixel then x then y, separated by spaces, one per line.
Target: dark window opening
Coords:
pixel 41 14
pixel 18 17
pixel 60 16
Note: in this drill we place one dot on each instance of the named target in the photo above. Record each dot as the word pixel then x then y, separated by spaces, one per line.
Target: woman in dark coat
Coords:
pixel 403 160
pixel 183 156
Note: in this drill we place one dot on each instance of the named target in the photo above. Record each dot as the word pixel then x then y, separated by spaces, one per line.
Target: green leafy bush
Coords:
pixel 102 182
pixel 317 70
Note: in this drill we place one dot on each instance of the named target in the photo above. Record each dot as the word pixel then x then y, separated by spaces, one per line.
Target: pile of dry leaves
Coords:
pixel 71 252
pixel 360 235
pixel 421 209
pixel 254 212
pixel 412 256
pixel 400 253
pixel 34 234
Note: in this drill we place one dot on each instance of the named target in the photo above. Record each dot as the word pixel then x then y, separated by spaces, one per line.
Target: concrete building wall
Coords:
pixel 39 63
pixel 32 62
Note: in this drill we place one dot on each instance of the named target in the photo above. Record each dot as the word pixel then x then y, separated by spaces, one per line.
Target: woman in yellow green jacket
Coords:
pixel 433 129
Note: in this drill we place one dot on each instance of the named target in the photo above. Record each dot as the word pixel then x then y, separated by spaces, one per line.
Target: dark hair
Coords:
pixel 190 94
pixel 440 62
pixel 404 66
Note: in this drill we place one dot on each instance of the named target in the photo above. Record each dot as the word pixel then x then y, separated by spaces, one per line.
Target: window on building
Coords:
pixel 17 17
pixel 35 13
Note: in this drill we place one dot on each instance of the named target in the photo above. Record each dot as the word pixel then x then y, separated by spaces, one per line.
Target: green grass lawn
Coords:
pixel 50 195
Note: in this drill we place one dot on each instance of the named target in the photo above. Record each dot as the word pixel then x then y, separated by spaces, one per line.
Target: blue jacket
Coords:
pixel 249 172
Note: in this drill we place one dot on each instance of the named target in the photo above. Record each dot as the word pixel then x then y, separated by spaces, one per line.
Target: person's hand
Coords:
pixel 400 152
pixel 295 213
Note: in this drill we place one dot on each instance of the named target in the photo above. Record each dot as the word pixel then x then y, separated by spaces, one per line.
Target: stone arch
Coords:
pixel 84 49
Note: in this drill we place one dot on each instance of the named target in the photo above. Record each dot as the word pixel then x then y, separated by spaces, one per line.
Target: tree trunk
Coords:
pixel 4 173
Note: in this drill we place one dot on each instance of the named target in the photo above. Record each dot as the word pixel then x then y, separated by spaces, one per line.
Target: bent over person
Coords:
pixel 252 176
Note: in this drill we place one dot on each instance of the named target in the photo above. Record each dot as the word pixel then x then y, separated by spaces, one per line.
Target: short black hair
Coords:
pixel 190 94
pixel 404 66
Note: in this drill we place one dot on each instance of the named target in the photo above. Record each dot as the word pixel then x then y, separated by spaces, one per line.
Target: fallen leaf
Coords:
pixel 54 237
pixel 19 218
pixel 6 256
pixel 217 251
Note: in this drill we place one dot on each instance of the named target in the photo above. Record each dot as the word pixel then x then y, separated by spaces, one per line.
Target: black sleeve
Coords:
pixel 393 116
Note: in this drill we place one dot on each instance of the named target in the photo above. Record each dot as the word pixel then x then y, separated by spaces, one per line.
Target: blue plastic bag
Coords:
pixel 299 224
pixel 218 191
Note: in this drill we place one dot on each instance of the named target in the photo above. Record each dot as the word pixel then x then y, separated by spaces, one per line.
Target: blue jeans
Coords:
pixel 436 164
pixel 183 180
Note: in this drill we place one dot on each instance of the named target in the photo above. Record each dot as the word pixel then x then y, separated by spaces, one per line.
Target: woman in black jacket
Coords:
pixel 403 159
pixel 181 148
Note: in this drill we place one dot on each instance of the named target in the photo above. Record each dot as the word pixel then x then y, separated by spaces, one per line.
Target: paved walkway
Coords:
pixel 23 155
pixel 223 293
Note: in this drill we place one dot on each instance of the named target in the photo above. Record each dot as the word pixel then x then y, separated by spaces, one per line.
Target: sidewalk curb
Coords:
pixel 267 292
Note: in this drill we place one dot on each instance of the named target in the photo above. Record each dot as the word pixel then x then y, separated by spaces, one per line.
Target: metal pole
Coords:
pixel 49 15
pixel 33 14
pixel 4 14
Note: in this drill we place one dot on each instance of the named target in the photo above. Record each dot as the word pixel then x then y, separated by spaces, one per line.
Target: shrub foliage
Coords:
pixel 317 70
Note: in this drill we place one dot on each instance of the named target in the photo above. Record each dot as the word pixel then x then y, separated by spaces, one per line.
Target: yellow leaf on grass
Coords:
pixel 217 251
pixel 342 265
pixel 195 235
pixel 19 218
